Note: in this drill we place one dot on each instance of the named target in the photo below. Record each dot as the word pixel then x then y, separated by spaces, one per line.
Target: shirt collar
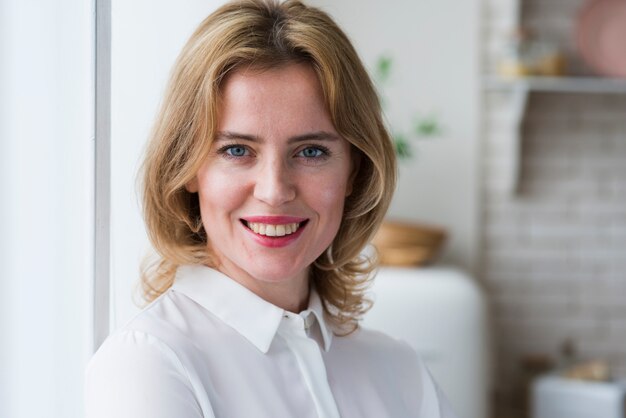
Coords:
pixel 251 316
pixel 316 308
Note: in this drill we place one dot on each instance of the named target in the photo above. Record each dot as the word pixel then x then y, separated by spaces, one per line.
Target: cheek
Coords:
pixel 330 210
pixel 328 197
pixel 218 195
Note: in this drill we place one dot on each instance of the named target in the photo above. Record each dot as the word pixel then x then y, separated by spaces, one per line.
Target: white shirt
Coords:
pixel 209 347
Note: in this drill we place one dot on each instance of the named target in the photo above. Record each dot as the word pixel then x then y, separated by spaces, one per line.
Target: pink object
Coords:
pixel 601 36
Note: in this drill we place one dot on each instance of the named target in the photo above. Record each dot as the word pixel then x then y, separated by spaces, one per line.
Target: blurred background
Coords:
pixel 513 113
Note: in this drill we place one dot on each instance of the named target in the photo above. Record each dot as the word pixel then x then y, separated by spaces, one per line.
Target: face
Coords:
pixel 272 190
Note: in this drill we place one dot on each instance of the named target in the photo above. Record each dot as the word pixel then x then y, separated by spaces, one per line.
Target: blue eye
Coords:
pixel 312 152
pixel 236 151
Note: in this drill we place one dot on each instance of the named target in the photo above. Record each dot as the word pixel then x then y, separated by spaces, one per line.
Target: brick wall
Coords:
pixel 553 256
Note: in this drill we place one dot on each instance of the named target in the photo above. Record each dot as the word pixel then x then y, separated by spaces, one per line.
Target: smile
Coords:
pixel 274 227
pixel 270 230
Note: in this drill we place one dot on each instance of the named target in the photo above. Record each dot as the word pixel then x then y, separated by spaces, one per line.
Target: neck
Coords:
pixel 291 295
pixel 290 298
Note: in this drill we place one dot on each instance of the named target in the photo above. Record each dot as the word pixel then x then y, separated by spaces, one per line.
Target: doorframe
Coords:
pixel 102 186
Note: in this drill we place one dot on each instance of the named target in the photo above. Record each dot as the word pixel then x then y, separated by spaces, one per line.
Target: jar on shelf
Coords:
pixel 516 58
pixel 549 60
pixel 526 55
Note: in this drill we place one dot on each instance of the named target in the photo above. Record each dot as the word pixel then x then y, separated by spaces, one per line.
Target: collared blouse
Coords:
pixel 209 347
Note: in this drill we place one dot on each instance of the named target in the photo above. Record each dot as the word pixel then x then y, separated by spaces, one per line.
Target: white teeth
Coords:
pixel 273 230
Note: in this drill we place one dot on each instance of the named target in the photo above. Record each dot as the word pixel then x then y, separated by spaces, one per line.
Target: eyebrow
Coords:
pixel 311 136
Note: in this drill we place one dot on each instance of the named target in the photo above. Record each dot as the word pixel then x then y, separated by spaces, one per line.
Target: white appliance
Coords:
pixel 557 397
pixel 442 313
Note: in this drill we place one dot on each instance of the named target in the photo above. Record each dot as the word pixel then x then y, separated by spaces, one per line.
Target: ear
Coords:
pixel 192 185
pixel 356 164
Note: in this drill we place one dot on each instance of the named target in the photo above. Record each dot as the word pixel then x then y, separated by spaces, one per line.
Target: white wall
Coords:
pixel 147 36
pixel 434 45
pixel 46 190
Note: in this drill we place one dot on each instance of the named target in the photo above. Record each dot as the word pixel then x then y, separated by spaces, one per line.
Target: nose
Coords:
pixel 274 185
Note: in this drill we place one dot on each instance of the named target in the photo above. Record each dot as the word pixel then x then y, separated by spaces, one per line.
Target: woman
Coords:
pixel 268 171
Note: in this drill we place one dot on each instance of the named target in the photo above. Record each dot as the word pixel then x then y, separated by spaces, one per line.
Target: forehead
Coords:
pixel 288 98
pixel 300 76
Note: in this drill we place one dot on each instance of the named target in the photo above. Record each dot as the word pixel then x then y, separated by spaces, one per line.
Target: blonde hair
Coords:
pixel 266 34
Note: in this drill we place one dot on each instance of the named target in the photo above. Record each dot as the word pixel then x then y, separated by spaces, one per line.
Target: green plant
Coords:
pixel 423 126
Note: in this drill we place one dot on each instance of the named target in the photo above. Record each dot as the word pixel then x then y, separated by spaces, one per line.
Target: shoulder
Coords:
pixel 130 367
pixel 375 343
pixel 164 329
pixel 373 354
pixel 392 363
pixel 148 357
pixel 127 352
pixel 131 344
pixel 173 319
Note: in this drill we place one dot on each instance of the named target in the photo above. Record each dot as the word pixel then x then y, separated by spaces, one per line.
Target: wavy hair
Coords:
pixel 266 34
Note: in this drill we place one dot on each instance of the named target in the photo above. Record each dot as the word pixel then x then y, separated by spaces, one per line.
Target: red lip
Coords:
pixel 275 242
pixel 274 220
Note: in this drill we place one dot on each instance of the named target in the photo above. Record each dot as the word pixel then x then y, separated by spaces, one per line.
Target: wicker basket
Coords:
pixel 406 244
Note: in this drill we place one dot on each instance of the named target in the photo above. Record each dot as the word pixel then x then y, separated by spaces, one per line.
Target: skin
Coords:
pixel 277 153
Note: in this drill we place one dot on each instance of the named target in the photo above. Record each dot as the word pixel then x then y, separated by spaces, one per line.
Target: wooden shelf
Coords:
pixel 559 84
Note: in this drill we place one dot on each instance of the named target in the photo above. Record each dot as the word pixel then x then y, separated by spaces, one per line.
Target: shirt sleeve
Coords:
pixel 135 375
